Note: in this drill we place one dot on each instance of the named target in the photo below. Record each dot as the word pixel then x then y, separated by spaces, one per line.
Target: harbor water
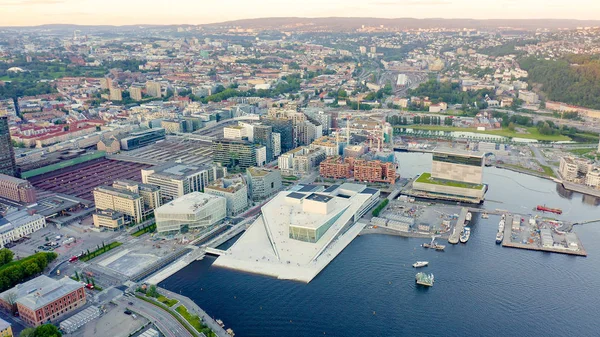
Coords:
pixel 481 289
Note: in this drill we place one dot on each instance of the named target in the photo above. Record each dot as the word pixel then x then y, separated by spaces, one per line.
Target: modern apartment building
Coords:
pixel 192 211
pixel 234 190
pixel 116 94
pixel 7 154
pixel 327 144
pixel 135 93
pixel 232 153
pixel 284 128
pixel 176 180
pixel 336 167
pixel 361 170
pixel 16 189
pixel 45 300
pixel 262 182
pixel 153 89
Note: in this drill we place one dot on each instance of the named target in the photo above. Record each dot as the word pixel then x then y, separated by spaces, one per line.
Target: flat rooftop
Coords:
pixel 457 152
pixel 427 179
pixel 188 203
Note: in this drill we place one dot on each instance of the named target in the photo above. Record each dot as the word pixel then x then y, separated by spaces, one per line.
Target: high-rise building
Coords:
pixel 276 139
pixel 153 89
pixel 135 93
pixel 234 153
pixel 263 182
pixel 284 128
pixel 116 94
pixel 7 154
pixel 16 189
pixel 263 136
pixel 176 180
pixel 105 83
pixel 234 190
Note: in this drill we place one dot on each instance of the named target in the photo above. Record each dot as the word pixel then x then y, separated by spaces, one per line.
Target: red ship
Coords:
pixel 548 209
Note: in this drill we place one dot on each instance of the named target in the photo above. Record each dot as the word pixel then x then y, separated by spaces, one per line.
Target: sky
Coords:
pixel 126 12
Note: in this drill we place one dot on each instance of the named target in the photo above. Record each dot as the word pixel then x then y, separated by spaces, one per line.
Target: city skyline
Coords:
pixel 113 12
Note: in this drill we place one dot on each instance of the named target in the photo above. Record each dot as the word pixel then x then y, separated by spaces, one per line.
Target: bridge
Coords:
pixel 214 251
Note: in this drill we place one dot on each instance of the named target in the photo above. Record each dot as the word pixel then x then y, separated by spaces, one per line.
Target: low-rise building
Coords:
pixel 263 182
pixel 327 144
pixel 232 188
pixel 45 300
pixel 5 329
pixel 109 219
pixel 18 224
pixel 195 210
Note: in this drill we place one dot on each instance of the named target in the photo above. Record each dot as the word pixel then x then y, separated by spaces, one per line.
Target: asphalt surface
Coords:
pixel 163 320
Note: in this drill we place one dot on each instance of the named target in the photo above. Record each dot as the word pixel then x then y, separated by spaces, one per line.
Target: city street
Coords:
pixel 163 320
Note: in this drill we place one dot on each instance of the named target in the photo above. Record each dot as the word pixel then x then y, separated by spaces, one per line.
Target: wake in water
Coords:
pixel 518 183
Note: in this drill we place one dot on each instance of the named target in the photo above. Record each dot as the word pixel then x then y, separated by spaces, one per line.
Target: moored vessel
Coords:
pixel 466 234
pixel 499 237
pixel 424 279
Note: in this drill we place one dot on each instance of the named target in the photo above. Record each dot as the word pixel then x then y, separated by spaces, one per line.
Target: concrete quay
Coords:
pixel 508 241
pixel 460 224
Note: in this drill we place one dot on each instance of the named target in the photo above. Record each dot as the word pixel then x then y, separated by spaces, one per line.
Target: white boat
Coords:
pixel 501 226
pixel 468 217
pixel 499 237
pixel 466 235
pixel 420 264
pixel 484 216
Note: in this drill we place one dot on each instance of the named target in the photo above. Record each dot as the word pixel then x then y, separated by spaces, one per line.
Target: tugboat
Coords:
pixel 499 237
pixel 424 279
pixel 433 245
pixel 420 264
pixel 466 234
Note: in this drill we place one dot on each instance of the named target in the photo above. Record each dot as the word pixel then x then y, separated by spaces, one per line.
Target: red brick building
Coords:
pixel 16 189
pixel 43 299
pixel 337 167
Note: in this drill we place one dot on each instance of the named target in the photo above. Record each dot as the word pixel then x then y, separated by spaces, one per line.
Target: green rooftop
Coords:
pixel 427 179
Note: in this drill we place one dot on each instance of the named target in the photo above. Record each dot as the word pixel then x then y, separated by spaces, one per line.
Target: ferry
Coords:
pixel 499 237
pixel 465 235
pixel 420 264
pixel 424 279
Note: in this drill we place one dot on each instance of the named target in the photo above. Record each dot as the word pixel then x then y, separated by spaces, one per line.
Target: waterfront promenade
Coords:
pixel 194 309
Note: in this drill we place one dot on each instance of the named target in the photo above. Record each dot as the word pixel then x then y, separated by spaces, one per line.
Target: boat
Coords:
pixel 220 322
pixel 485 216
pixel 424 279
pixel 501 226
pixel 468 217
pixel 499 237
pixel 433 245
pixel 420 264
pixel 466 234
pixel 549 209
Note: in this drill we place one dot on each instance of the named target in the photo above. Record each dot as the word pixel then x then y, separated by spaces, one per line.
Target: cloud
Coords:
pixel 30 2
pixel 411 3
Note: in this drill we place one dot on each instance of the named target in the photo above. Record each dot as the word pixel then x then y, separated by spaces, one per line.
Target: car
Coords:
pixel 127 312
pixel 130 303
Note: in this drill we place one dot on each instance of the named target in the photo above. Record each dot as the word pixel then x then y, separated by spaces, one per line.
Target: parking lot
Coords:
pixel 112 323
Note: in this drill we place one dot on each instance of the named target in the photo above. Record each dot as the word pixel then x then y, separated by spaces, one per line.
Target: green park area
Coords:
pixel 13 272
pixel 531 132
pixel 427 179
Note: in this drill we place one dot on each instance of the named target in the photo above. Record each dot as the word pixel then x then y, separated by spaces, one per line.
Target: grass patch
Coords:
pixel 427 179
pixel 589 153
pixel 100 251
pixel 548 171
pixel 147 229
pixel 533 132
pixel 379 207
pixel 194 320
pixel 290 178
pixel 167 301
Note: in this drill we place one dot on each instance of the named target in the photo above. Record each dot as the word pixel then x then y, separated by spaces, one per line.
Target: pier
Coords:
pixel 460 225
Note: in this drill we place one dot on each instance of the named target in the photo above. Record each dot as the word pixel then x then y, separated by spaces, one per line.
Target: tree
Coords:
pixel 47 330
pixel 6 256
pixel 152 292
pixel 511 126
pixel 28 332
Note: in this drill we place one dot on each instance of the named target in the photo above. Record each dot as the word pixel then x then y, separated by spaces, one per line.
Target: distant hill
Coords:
pixel 337 23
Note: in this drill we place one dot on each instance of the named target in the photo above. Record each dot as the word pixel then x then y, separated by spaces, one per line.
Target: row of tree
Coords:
pixel 427 120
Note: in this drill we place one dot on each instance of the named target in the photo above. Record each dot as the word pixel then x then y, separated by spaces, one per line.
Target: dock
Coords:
pixel 508 242
pixel 460 224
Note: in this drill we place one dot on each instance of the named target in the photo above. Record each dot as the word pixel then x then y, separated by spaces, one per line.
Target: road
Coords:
pixel 195 309
pixel 163 320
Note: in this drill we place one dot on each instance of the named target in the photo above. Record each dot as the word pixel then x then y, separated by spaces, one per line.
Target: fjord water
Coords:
pixel 481 288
